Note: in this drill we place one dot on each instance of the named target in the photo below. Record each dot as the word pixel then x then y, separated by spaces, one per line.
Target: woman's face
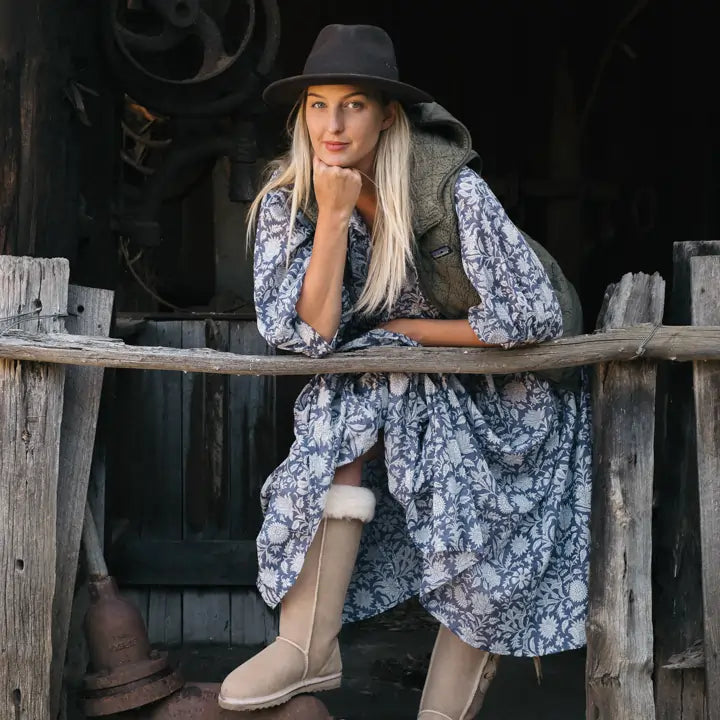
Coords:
pixel 345 122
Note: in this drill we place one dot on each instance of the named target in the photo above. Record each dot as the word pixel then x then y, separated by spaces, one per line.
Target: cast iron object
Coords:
pixel 178 13
pixel 127 672
pixel 195 58
pixel 198 701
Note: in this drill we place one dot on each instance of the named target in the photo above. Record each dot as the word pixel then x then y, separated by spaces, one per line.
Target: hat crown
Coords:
pixel 353 50
pixel 348 55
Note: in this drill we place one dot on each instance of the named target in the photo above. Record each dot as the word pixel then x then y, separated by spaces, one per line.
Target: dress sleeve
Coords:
pixel 277 282
pixel 518 304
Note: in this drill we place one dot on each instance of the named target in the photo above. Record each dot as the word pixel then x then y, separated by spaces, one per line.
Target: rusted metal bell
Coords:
pixel 198 701
pixel 127 672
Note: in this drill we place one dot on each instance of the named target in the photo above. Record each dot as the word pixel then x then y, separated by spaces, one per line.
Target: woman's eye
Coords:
pixel 355 105
pixel 318 104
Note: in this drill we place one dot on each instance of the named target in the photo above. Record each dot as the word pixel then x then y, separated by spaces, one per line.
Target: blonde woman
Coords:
pixel 469 491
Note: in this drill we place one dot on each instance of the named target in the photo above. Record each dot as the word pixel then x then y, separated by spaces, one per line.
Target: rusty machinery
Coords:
pixel 192 71
pixel 125 672
pixel 192 58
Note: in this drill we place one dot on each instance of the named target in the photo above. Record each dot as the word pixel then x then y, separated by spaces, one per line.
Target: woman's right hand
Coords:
pixel 336 188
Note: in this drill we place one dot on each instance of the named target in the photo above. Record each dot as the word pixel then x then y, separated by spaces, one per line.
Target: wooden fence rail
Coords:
pixel 656 342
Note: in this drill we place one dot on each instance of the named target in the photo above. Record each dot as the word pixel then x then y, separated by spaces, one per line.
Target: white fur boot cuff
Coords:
pixel 348 502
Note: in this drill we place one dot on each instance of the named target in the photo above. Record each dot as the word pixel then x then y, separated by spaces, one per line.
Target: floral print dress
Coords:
pixel 483 493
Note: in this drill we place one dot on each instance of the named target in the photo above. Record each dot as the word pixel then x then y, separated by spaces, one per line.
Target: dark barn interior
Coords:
pixel 599 129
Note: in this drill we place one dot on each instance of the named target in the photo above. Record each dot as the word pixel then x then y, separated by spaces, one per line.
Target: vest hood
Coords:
pixel 440 146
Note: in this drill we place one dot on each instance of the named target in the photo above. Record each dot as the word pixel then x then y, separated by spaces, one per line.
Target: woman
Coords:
pixel 478 485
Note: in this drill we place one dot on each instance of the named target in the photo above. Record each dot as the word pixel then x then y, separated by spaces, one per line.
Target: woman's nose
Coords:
pixel 336 121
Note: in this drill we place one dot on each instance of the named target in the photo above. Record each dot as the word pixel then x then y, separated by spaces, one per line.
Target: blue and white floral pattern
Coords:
pixel 484 488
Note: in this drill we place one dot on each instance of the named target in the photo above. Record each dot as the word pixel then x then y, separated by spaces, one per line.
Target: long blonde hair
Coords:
pixel 392 236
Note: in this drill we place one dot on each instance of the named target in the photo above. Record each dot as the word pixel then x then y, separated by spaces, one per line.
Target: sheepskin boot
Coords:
pixel 457 680
pixel 305 657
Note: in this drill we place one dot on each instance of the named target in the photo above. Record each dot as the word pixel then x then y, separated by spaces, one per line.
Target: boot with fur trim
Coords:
pixel 305 657
pixel 457 680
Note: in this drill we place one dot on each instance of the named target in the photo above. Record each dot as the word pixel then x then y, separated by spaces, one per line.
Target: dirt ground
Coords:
pixel 385 660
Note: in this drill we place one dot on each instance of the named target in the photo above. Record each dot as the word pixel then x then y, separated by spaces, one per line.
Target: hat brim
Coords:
pixel 285 92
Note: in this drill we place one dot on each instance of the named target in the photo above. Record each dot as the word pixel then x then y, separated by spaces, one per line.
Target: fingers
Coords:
pixel 336 188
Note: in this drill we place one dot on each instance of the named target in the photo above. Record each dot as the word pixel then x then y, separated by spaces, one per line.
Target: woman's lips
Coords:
pixel 335 146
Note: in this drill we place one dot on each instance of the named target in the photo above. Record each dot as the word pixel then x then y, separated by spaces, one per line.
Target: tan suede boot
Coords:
pixel 457 680
pixel 305 657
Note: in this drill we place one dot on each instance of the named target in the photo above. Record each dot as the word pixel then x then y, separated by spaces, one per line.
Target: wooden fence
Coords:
pixel 47 421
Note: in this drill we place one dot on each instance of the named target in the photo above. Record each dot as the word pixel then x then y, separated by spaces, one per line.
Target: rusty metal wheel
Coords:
pixel 192 57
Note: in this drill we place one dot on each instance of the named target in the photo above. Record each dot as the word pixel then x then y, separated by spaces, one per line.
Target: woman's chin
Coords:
pixel 340 159
pixel 336 162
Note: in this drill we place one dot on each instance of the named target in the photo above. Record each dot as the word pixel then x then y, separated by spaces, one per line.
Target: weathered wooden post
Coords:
pixel 89 313
pixel 705 292
pixel 620 634
pixel 678 615
pixel 33 295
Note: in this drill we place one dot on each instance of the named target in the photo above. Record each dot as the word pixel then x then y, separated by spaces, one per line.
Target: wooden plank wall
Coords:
pixel 206 613
pixel 189 455
pixel 257 445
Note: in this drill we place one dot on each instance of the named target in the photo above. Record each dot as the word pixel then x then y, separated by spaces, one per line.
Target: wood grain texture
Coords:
pixel 77 656
pixel 620 634
pixel 677 601
pixel 132 447
pixel 89 313
pixel 38 206
pixel 206 611
pixel 184 563
pixel 705 294
pixel 252 456
pixel 162 517
pixel 661 343
pixel 31 404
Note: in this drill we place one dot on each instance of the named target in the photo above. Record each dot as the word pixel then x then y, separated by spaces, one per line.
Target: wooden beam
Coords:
pixel 620 633
pixel 642 340
pixel 705 293
pixel 677 592
pixel 31 404
pixel 184 563
pixel 38 205
pixel 89 313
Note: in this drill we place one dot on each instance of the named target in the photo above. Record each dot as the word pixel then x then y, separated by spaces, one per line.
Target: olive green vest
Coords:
pixel 441 147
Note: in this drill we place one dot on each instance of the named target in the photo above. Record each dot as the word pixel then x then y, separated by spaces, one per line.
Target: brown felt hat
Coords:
pixel 348 55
